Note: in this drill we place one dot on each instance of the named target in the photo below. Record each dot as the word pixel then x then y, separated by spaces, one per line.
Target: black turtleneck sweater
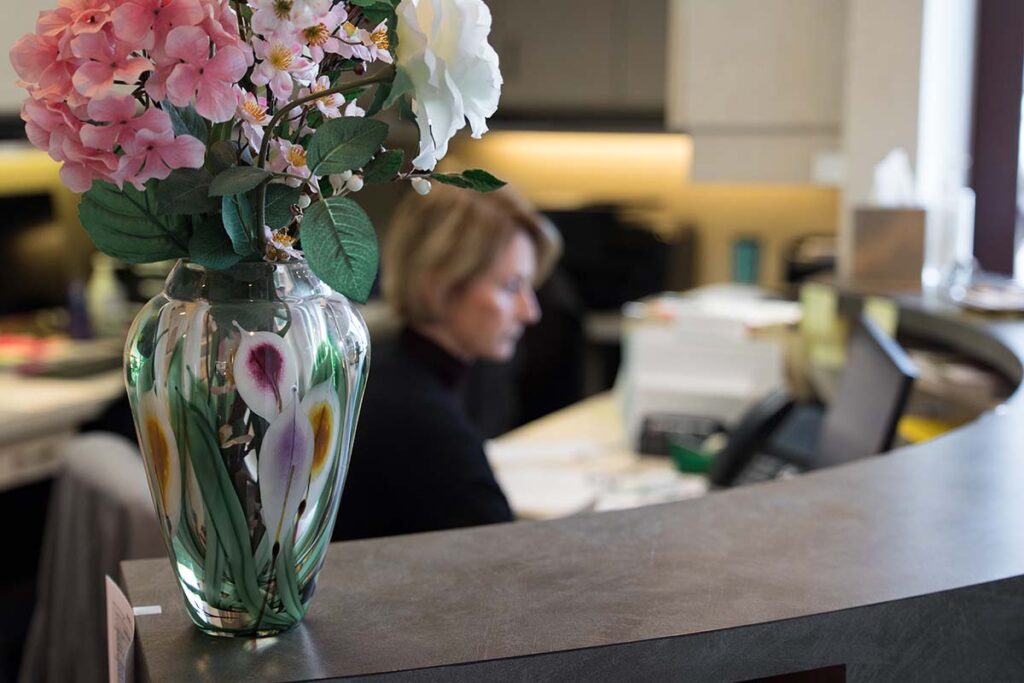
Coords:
pixel 418 463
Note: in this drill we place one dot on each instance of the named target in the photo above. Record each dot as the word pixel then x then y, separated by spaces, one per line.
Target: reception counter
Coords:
pixel 908 566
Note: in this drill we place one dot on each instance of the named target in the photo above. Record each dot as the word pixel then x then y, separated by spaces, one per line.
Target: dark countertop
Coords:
pixel 902 567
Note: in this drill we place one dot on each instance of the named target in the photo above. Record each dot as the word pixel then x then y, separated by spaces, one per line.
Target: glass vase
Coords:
pixel 245 385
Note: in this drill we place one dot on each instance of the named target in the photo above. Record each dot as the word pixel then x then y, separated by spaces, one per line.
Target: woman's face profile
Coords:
pixel 487 317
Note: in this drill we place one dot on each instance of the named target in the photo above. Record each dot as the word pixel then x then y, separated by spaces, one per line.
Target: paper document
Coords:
pixel 541 451
pixel 120 632
pixel 543 493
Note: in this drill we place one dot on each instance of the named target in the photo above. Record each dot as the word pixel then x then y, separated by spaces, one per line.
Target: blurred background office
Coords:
pixel 677 145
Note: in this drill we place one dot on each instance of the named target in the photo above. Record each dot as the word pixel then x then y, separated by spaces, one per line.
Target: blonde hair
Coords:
pixel 450 237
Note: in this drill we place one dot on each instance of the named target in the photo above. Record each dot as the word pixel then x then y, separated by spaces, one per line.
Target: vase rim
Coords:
pixel 245 280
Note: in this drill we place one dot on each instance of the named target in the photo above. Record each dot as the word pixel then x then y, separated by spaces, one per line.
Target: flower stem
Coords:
pixel 384 75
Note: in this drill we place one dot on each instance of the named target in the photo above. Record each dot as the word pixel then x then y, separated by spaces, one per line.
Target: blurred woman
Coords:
pixel 459 270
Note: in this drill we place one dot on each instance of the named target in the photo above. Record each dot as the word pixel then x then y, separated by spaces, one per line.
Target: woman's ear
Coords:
pixel 434 297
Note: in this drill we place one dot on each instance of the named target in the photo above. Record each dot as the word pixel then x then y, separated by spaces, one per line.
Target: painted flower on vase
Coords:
pixel 285 462
pixel 265 372
pixel 162 449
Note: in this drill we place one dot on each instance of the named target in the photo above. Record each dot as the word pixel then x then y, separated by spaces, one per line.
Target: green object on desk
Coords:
pixel 689 459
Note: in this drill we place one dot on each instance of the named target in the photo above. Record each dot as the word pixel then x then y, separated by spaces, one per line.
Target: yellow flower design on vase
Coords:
pixel 322 409
pixel 161 450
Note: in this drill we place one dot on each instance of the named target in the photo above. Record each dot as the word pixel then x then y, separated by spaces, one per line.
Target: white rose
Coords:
pixel 444 54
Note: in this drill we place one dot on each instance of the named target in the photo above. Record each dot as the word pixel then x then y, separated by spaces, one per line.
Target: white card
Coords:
pixel 120 632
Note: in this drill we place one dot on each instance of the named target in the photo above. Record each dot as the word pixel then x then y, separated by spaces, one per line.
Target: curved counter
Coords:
pixel 908 566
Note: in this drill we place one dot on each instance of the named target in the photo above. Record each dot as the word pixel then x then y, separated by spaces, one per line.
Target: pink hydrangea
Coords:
pixel 210 80
pixel 72 18
pixel 48 123
pixel 105 59
pixel 84 164
pixel 118 112
pixel 146 23
pixel 154 152
pixel 41 69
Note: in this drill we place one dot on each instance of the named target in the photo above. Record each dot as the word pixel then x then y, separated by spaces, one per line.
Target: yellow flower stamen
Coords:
pixel 282 9
pixel 316 35
pixel 380 38
pixel 349 28
pixel 280 56
pixel 258 114
pixel 296 156
pixel 283 240
pixel 328 100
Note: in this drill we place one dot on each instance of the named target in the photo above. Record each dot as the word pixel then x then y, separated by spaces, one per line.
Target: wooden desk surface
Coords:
pixel 905 567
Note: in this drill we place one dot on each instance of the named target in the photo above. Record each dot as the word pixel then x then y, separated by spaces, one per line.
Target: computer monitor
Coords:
pixel 873 391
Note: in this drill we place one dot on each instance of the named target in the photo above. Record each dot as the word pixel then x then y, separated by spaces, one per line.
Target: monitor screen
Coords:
pixel 873 392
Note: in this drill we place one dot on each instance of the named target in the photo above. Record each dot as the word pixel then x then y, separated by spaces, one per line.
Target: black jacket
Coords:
pixel 418 463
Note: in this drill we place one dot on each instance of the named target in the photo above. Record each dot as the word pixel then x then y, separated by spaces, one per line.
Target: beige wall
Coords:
pixel 650 173
pixel 19 18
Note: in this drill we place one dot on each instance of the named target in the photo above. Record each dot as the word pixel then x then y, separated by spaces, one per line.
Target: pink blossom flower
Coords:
pixel 290 158
pixel 377 43
pixel 319 32
pixel 253 113
pixel 37 61
pixel 353 109
pixel 108 60
pixel 283 65
pixel 119 112
pixel 280 243
pixel 155 152
pixel 358 43
pixel 145 23
pixel 278 18
pixel 209 79
pixel 329 105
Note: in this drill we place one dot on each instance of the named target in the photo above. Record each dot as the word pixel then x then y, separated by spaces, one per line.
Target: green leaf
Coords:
pixel 401 86
pixel 185 192
pixel 210 245
pixel 124 224
pixel 280 199
pixel 376 12
pixel 221 156
pixel 384 166
pixel 341 246
pixel 344 144
pixel 239 222
pixel 185 121
pixel 238 179
pixel 380 96
pixel 473 179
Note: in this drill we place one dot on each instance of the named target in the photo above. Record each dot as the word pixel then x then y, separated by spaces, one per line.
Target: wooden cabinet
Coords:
pixel 581 57
pixel 758 84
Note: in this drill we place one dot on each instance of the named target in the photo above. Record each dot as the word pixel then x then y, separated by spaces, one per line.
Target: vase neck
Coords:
pixel 246 281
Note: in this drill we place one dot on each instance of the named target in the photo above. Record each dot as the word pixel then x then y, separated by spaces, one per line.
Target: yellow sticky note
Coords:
pixel 819 304
pixel 883 312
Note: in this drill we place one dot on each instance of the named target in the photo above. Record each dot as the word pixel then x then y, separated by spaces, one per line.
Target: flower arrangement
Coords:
pixel 234 132
pixel 231 130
